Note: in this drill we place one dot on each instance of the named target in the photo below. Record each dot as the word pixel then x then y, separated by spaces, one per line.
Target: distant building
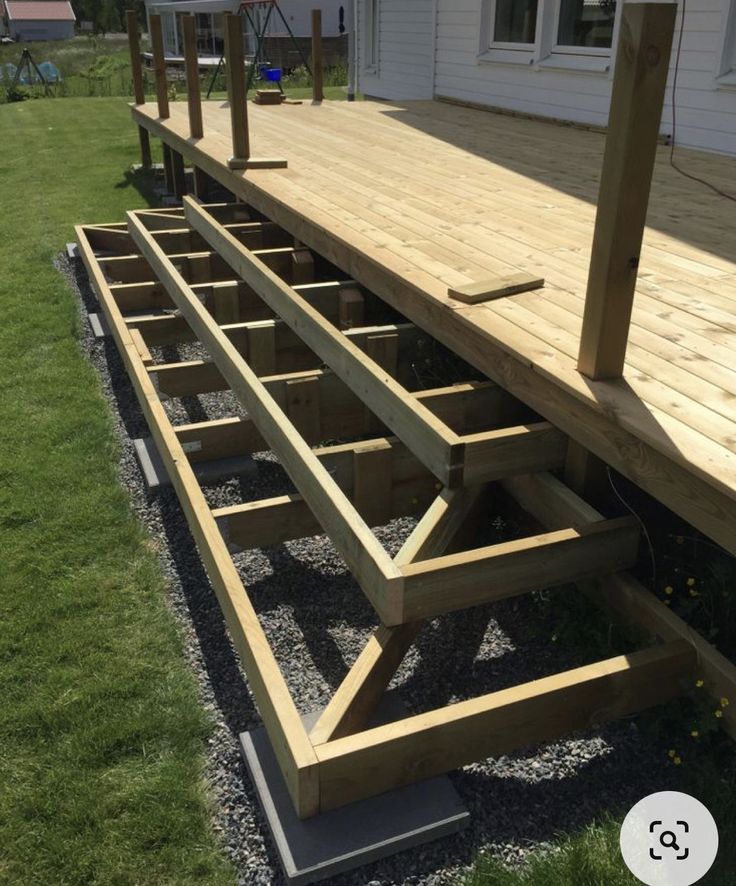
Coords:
pixel 279 48
pixel 27 20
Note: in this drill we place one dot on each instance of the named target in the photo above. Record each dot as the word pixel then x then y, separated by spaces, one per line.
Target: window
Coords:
pixel 515 22
pixel 727 65
pixel 586 24
pixel 370 60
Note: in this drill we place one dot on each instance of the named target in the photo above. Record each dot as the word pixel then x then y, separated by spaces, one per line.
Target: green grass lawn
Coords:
pixel 101 734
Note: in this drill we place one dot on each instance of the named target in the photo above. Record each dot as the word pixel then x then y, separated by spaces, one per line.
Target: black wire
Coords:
pixel 674 165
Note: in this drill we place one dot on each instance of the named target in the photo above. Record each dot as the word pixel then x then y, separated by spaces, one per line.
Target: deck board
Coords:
pixel 412 198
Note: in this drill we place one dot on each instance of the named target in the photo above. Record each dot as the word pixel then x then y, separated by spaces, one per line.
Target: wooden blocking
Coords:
pixel 497 287
pixel 384 350
pixel 351 307
pixel 262 347
pixel 187 378
pixel 303 407
pixel 642 63
pixel 159 66
pixel 372 482
pixel 317 63
pixel 219 438
pixel 191 64
pixel 141 347
pixel 179 176
pixel 386 757
pixel 493 455
pixel 459 581
pixel 302 267
pixel 235 70
pixel 131 23
pixel 268 97
pixel 226 302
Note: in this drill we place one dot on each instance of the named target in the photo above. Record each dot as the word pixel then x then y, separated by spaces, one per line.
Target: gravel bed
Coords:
pixel 317 620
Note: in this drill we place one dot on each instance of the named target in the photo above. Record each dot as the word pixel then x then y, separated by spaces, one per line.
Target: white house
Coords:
pixel 27 20
pixel 552 58
pixel 209 13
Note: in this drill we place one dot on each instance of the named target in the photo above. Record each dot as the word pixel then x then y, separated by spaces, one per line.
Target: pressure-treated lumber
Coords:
pixel 191 64
pixel 642 63
pixel 317 63
pixel 236 94
pixel 386 757
pixel 281 719
pixel 131 23
pixel 433 442
pixel 159 66
pixel 498 287
pixel 356 698
pixel 373 569
pixel 458 581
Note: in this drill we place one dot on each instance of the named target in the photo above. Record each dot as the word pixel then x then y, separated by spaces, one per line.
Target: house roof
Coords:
pixel 39 10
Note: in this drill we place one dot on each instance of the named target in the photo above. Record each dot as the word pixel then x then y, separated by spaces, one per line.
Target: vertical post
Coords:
pixel 177 168
pixel 131 21
pixel 201 184
pixel 236 93
pixel 194 99
pixel 168 168
pixel 317 90
pixel 159 66
pixel 642 62
pixel 351 49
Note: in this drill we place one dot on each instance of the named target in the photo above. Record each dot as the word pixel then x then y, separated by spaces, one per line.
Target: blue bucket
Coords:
pixel 273 75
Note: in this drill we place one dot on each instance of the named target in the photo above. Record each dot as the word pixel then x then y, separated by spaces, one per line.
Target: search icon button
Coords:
pixel 671 842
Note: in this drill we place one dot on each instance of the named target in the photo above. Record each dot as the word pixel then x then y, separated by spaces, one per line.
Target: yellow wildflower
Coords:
pixel 700 683
pixel 695 733
pixel 694 593
pixel 718 714
pixel 691 582
pixel 677 761
pixel 669 590
pixel 724 702
pixel 672 754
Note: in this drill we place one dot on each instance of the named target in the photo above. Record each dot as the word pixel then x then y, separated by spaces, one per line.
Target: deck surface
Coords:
pixel 412 198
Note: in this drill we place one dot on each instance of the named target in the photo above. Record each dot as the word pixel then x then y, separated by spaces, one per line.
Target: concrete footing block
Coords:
pixel 156 475
pixel 99 325
pixel 355 835
pixel 72 250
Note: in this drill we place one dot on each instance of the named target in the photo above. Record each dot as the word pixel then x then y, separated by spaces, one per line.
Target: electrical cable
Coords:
pixel 695 178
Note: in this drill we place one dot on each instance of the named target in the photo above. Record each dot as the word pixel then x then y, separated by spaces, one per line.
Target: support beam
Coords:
pixel 642 63
pixel 177 166
pixel 317 61
pixel 359 693
pixel 191 63
pixel 387 757
pixel 373 569
pixel 159 66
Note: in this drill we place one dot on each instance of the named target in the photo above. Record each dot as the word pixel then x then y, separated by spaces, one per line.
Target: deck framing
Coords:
pixel 341 760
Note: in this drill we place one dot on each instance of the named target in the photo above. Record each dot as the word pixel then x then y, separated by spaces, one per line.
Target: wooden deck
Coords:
pixel 410 199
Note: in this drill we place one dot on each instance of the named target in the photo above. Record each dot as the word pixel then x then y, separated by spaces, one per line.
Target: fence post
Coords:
pixel 642 62
pixel 317 90
pixel 194 99
pixel 159 66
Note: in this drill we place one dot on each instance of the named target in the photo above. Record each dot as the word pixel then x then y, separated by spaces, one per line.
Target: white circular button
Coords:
pixel 669 839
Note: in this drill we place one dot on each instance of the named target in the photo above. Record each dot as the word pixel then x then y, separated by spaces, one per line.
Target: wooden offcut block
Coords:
pixel 268 97
pixel 351 308
pixel 496 287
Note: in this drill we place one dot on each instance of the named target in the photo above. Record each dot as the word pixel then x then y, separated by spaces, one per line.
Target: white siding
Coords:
pixel 706 113
pixel 405 50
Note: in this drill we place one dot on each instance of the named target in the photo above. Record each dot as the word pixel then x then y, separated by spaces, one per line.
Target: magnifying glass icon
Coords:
pixel 670 842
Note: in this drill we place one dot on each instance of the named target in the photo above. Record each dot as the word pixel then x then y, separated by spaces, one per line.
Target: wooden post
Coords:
pixel 642 62
pixel 168 168
pixel 177 165
pixel 194 99
pixel 159 66
pixel 131 21
pixel 317 90
pixel 201 184
pixel 235 69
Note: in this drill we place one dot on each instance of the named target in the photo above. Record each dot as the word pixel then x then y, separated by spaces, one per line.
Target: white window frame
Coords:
pixel 372 31
pixel 726 70
pixel 504 44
